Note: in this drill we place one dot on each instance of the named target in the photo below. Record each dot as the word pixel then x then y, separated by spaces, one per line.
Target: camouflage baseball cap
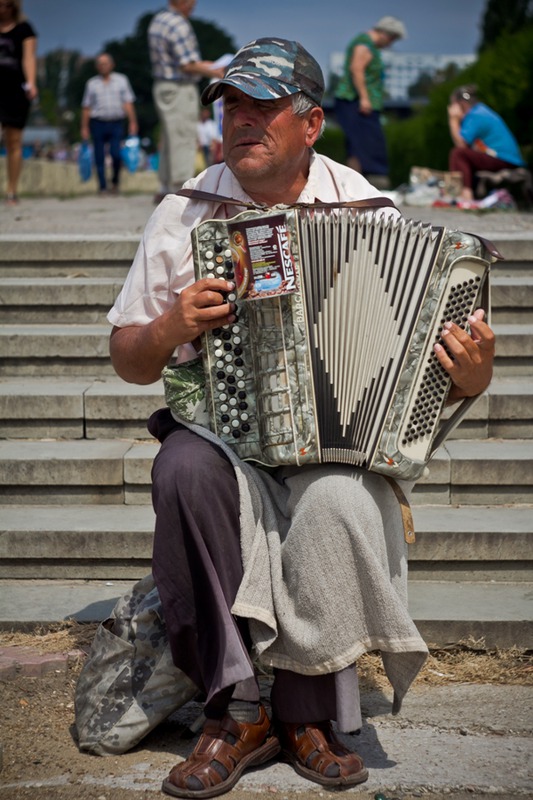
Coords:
pixel 268 69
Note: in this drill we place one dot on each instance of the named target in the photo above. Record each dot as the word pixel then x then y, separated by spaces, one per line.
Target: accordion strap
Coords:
pixel 368 203
pixel 405 508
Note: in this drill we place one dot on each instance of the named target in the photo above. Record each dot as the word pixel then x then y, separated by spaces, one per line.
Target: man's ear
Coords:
pixel 314 125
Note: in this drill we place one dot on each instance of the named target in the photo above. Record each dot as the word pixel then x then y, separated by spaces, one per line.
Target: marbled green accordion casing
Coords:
pixel 341 368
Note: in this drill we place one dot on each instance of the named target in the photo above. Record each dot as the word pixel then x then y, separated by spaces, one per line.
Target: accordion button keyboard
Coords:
pixel 236 412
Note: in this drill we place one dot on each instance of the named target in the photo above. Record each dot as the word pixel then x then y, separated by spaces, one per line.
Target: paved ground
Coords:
pixel 127 215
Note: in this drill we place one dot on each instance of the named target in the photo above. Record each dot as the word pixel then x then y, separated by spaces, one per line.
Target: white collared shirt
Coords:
pixel 163 265
pixel 106 98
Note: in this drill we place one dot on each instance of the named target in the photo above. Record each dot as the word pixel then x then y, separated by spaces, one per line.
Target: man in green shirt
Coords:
pixel 359 100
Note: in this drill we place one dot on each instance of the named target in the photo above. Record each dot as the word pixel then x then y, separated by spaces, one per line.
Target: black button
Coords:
pixel 236 434
pixel 231 378
pixel 218 248
pixel 221 374
pixel 245 427
pixel 243 406
pixel 226 335
pixel 232 389
pixel 224 418
pixel 238 361
pixel 241 395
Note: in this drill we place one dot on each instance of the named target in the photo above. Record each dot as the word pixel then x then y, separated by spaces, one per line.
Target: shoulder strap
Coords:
pixel 368 203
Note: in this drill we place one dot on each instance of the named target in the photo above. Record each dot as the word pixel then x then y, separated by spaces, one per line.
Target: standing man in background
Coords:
pixel 176 70
pixel 107 103
pixel 359 100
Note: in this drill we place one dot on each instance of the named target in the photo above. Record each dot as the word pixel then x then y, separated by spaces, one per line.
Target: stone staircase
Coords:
pixel 75 456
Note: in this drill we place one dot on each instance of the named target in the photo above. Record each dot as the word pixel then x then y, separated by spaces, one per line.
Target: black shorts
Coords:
pixel 14 107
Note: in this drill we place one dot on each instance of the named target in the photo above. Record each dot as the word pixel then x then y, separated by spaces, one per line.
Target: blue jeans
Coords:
pixel 107 132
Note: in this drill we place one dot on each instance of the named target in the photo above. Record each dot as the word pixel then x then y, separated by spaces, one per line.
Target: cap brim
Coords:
pixel 252 85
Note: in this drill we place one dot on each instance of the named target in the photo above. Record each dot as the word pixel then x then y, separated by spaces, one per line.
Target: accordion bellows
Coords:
pixel 331 356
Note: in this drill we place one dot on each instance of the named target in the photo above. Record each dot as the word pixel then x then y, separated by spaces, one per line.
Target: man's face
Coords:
pixel 104 65
pixel 261 138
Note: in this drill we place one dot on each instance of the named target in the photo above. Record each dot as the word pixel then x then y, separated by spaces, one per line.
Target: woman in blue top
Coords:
pixel 482 139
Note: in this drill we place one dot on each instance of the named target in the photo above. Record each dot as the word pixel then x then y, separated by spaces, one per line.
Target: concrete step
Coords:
pixel 516 248
pixel 499 613
pixel 114 542
pixel 81 350
pixel 37 350
pixel 472 543
pixel 72 300
pixel 97 542
pixel 512 299
pixel 77 408
pixel 52 255
pixel 463 472
pixel 66 472
pixel 470 472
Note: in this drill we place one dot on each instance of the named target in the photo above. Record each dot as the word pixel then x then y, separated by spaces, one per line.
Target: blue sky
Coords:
pixel 323 26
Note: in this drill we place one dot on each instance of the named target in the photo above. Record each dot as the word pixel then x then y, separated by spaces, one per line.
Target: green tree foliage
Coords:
pixel 504 17
pixel 503 74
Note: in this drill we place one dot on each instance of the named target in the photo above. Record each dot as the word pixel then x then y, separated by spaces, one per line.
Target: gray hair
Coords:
pixel 301 104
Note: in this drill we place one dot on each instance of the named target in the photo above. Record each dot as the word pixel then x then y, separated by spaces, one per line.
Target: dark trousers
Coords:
pixel 197 568
pixel 468 161
pixel 364 137
pixel 111 133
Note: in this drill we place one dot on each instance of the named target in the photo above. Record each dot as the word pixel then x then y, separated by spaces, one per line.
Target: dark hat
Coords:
pixel 268 69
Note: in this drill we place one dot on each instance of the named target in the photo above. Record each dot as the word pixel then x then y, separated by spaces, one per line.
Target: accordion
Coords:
pixel 330 358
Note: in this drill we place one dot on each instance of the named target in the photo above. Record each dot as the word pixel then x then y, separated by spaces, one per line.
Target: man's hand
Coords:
pixel 139 352
pixel 200 307
pixel 471 356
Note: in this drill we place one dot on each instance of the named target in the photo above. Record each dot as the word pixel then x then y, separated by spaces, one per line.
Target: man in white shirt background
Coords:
pixel 108 100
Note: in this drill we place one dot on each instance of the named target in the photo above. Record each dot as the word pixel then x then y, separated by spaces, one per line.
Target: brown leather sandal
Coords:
pixel 224 750
pixel 316 754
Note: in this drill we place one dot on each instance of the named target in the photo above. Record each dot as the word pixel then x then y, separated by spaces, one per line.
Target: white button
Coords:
pixel 236 340
pixel 220 270
pixel 227 253
pixel 221 386
pixel 224 408
pixel 241 384
pixel 223 397
pixel 209 254
pixel 217 343
pixel 234 412
pixel 226 429
pixel 230 368
pixel 219 353
pixel 240 373
pixel 210 275
pixel 233 401
pixel 235 423
pixel 228 357
pixel 209 265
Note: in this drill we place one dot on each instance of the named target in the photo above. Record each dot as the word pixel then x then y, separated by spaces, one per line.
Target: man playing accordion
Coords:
pixel 302 569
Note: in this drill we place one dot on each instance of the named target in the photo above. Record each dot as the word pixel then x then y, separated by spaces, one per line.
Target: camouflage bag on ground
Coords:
pixel 129 683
